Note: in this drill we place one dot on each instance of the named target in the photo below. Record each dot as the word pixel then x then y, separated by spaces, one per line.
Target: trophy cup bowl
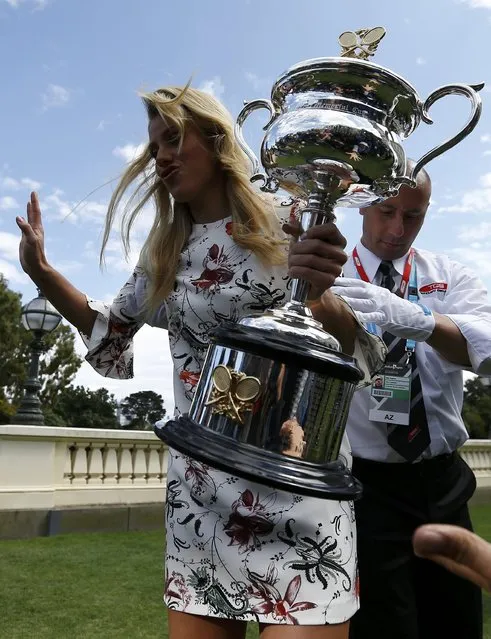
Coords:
pixel 348 111
pixel 273 397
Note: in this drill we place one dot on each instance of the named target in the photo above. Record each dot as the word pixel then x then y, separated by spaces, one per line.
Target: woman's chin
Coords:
pixel 180 196
pixel 177 200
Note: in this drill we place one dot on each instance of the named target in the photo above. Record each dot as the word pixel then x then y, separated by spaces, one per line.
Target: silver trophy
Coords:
pixel 273 398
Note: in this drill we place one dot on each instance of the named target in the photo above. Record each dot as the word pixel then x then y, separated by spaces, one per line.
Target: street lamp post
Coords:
pixel 40 317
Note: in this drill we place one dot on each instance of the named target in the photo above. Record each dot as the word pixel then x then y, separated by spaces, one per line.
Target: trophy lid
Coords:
pixel 351 77
pixel 343 65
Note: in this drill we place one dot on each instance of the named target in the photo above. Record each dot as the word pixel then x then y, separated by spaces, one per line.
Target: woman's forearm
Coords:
pixel 67 299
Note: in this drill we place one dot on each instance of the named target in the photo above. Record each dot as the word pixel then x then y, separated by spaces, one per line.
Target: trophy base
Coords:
pixel 325 481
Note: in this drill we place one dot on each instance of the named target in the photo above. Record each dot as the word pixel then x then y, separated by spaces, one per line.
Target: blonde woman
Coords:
pixel 236 550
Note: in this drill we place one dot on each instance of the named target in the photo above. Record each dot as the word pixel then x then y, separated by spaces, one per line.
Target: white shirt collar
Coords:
pixel 371 262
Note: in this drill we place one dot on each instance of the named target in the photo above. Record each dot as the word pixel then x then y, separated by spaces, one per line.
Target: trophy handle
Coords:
pixel 269 185
pixel 470 91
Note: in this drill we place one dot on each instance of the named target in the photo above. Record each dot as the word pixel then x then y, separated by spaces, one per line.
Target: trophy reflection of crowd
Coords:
pixel 238 551
pixel 357 147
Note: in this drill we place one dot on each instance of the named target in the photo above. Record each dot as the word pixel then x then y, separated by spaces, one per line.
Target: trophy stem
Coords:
pixel 319 210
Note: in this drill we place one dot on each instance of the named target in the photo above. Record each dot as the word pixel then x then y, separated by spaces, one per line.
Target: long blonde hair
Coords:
pixel 255 226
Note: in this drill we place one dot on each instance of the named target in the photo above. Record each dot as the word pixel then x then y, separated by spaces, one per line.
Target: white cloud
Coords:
pixel 258 83
pixel 32 185
pixel 57 207
pixel 9 246
pixel 420 60
pixel 114 256
pixel 485 138
pixel 485 180
pixel 253 79
pixel 90 251
pixel 38 4
pixel 474 201
pixel 92 210
pixel 129 152
pixel 12 184
pixel 478 4
pixel 55 96
pixel 68 266
pixel 475 233
pixel 214 87
pixel 12 274
pixel 7 203
pixel 101 125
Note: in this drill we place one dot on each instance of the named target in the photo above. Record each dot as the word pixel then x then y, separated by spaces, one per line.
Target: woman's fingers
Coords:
pixel 320 280
pixel 26 228
pixel 327 233
pixel 34 216
pixel 292 228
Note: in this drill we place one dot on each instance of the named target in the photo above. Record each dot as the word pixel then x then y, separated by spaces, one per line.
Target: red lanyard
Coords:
pixel 406 275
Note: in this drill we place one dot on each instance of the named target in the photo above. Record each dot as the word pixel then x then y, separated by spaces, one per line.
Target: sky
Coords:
pixel 71 117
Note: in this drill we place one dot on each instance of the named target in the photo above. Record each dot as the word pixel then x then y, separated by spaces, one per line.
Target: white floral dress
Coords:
pixel 235 549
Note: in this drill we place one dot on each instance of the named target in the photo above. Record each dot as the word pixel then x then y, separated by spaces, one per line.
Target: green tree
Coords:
pixel 476 411
pixel 142 410
pixel 51 418
pixel 7 411
pixel 14 343
pixel 58 365
pixel 79 407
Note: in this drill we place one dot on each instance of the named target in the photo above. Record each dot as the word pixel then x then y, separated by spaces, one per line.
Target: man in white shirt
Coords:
pixel 405 431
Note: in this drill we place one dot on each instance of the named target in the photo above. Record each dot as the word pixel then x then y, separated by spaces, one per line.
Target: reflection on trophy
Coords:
pixel 273 398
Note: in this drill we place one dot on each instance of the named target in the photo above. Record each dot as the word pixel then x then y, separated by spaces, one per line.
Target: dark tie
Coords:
pixel 409 441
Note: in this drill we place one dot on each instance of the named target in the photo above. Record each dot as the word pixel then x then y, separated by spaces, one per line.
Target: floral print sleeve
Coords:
pixel 110 345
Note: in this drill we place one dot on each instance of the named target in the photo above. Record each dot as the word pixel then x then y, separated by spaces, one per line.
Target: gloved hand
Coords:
pixel 377 305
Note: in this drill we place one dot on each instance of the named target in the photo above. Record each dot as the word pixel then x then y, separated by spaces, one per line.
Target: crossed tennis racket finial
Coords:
pixel 362 43
pixel 233 392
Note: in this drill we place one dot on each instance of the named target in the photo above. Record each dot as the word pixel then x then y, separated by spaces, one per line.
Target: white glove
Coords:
pixel 377 305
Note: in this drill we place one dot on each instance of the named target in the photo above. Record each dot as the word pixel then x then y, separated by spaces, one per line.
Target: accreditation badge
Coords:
pixel 390 395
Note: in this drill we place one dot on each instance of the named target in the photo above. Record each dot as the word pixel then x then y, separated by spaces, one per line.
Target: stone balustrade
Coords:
pixel 477 453
pixel 55 480
pixel 44 467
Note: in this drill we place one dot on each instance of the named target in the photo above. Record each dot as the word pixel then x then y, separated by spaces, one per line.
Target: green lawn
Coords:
pixel 100 586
